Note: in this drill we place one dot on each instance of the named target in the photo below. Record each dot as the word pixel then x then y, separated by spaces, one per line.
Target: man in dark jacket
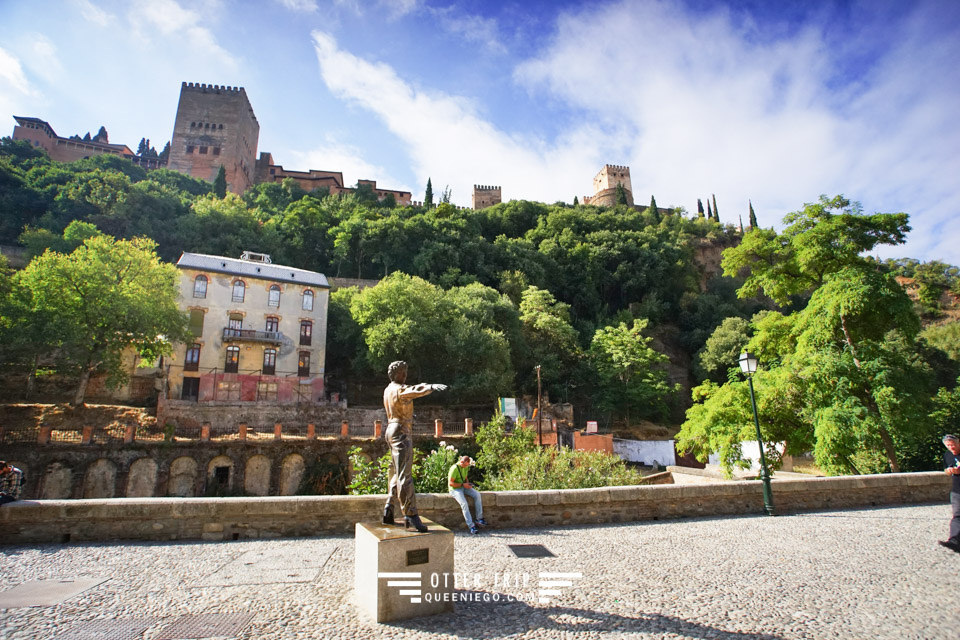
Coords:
pixel 11 481
pixel 951 463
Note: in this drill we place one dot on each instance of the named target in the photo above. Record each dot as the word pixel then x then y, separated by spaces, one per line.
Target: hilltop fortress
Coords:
pixel 215 126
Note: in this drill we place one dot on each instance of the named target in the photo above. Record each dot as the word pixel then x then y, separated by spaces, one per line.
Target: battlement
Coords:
pixel 197 86
pixel 482 187
pixel 615 167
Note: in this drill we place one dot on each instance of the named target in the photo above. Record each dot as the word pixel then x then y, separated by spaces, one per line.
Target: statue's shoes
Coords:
pixel 414 522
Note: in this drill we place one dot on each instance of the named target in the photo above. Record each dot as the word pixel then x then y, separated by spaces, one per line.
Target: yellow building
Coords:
pixel 260 331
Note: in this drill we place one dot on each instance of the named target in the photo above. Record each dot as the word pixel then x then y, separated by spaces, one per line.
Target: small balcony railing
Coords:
pixel 252 335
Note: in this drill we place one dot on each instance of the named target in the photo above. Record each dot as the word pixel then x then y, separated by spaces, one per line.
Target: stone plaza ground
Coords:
pixel 859 574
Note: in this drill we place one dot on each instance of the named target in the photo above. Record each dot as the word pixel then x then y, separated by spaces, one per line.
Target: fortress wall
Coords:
pixel 239 518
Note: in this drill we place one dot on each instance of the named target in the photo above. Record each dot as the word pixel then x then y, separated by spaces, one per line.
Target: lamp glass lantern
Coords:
pixel 748 363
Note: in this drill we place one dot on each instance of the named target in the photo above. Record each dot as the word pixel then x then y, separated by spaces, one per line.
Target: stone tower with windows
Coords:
pixel 605 186
pixel 485 196
pixel 215 126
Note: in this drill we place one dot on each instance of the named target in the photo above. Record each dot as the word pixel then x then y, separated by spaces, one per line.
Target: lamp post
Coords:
pixel 748 364
pixel 539 414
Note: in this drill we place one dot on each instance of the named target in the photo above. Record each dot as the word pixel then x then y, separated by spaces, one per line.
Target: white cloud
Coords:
pixel 42 59
pixel 93 14
pixel 472 28
pixel 308 6
pixel 332 155
pixel 711 106
pixel 399 8
pixel 175 23
pixel 11 73
pixel 450 143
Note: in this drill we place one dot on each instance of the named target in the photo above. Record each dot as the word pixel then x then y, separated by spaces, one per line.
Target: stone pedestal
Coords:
pixel 403 574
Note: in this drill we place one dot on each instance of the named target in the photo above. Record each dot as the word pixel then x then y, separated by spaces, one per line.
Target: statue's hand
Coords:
pixel 439 387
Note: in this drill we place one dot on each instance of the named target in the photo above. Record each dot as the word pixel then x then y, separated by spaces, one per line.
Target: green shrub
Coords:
pixel 564 469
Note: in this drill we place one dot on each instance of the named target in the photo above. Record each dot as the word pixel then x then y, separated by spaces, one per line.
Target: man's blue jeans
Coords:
pixel 460 495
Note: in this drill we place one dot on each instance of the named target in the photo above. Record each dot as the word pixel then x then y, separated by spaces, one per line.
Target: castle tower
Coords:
pixel 215 126
pixel 484 196
pixel 605 186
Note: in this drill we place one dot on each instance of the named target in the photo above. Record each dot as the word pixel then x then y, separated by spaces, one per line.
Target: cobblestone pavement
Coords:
pixel 859 574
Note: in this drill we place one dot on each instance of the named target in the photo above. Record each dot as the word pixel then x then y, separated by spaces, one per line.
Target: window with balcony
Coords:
pixel 239 290
pixel 273 297
pixel 306 332
pixel 232 363
pixel 192 360
pixel 303 364
pixel 200 287
pixel 269 362
pixel 273 324
pixel 308 300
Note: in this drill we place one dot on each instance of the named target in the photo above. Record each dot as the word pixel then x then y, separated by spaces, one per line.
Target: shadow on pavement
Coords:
pixel 484 620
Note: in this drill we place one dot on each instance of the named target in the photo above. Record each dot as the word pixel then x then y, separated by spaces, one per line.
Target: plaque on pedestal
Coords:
pixel 401 574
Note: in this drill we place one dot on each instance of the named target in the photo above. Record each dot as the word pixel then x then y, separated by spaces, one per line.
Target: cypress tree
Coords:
pixel 709 211
pixel 699 208
pixel 621 194
pixel 575 201
pixel 716 212
pixel 220 183
pixel 654 211
pixel 142 147
pixel 428 196
pixel 753 217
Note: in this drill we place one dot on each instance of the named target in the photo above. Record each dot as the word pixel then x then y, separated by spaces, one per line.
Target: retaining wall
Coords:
pixel 239 518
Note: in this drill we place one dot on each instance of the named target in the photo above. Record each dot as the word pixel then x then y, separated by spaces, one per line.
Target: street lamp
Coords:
pixel 748 364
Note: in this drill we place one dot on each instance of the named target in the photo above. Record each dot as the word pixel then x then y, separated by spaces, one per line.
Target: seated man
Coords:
pixel 460 488
pixel 11 481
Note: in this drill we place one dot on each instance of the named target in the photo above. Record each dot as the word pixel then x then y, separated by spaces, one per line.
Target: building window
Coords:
pixel 193 124
pixel 303 364
pixel 189 148
pixel 269 362
pixel 203 150
pixel 273 298
pixel 190 389
pixel 273 324
pixel 308 300
pixel 220 127
pixel 200 287
pixel 239 289
pixel 216 151
pixel 306 332
pixel 232 363
pixel 192 361
pixel 196 322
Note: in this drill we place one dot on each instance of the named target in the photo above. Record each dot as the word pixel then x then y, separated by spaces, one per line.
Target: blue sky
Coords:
pixel 772 101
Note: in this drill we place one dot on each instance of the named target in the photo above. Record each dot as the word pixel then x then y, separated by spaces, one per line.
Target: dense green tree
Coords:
pixel 753 216
pixel 716 212
pixel 575 201
pixel 220 183
pixel 723 348
pixel 164 155
pixel 699 208
pixel 632 375
pixel 104 298
pixel 428 195
pixel 550 337
pixel 443 335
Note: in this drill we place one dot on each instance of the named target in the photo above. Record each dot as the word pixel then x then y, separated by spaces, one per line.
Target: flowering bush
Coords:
pixel 429 473
pixel 432 475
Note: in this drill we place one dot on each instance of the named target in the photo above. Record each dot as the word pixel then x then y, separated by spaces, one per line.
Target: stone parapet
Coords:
pixel 297 516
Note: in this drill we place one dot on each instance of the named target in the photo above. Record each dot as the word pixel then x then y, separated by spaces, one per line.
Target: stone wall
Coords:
pixel 239 518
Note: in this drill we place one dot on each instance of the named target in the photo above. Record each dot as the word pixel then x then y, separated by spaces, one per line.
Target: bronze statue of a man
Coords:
pixel 398 402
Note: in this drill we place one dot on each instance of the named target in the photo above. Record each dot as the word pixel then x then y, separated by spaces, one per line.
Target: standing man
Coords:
pixel 460 489
pixel 11 481
pixel 398 402
pixel 951 462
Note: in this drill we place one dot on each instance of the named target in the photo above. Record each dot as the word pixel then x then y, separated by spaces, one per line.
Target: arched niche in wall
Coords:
pixel 183 477
pixel 57 483
pixel 291 474
pixel 142 478
pixel 256 477
pixel 100 480
pixel 220 475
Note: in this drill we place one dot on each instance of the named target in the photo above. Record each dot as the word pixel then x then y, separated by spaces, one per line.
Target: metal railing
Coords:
pixel 252 335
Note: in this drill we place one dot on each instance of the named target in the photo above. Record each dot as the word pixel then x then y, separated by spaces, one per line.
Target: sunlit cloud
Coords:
pixel 175 23
pixel 299 5
pixel 472 28
pixel 449 142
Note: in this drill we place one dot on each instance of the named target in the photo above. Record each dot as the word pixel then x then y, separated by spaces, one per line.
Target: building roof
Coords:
pixel 252 269
pixel 22 120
